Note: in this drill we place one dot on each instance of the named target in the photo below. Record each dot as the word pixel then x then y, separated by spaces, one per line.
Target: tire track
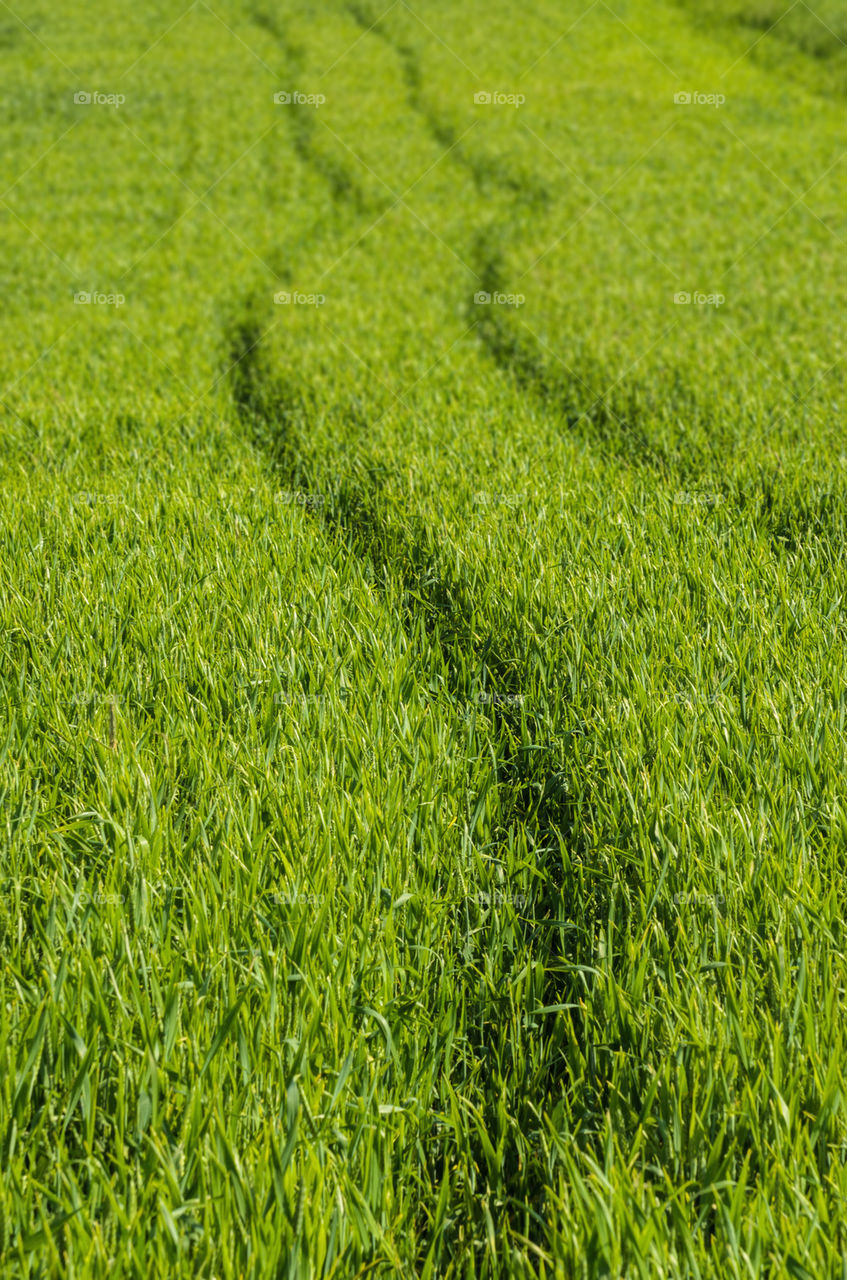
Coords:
pixel 486 174
pixel 344 189
pixel 569 396
pixel 529 765
pixel 578 400
pixel 274 411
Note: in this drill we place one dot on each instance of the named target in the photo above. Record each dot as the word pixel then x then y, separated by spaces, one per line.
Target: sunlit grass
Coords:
pixel 422 818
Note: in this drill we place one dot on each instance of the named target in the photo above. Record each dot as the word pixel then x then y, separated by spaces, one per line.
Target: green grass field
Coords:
pixel 423 576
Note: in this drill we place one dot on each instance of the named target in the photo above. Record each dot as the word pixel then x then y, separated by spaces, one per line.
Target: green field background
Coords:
pixel 422 814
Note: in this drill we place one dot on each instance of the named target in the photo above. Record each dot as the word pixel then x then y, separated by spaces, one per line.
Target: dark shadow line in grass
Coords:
pixel 275 417
pixel 487 173
pixel 343 187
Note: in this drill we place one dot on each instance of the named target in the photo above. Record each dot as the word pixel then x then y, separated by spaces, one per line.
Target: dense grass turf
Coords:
pixel 423 760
